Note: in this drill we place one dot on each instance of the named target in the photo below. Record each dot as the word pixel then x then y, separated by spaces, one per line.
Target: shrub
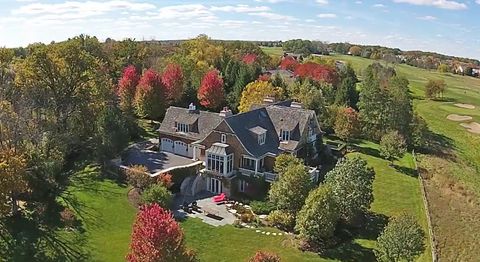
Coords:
pixel 262 207
pixel 392 145
pixel 262 256
pixel 247 217
pixel 157 193
pixel 401 240
pixel 137 176
pixel 282 220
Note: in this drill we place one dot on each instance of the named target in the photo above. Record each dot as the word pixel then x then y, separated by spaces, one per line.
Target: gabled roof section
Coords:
pixel 201 122
pixel 289 118
pixel 243 124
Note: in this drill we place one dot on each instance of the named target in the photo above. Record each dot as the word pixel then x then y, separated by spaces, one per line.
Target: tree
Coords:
pixel 289 63
pixel 157 237
pixel 249 59
pixel 318 218
pixel 112 133
pixel 157 193
pixel 292 187
pixel 211 94
pixel 392 145
pixel 443 68
pixel 127 86
pixel 351 183
pixel 435 88
pixel 401 240
pixel 283 161
pixel 150 96
pixel 255 93
pixel 13 167
pixel 420 132
pixel 355 50
pixel 137 176
pixel 172 79
pixel 347 123
pixel 262 256
pixel 316 72
pixel 347 94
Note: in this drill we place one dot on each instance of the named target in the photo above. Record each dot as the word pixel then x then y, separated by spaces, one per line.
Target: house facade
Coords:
pixel 238 149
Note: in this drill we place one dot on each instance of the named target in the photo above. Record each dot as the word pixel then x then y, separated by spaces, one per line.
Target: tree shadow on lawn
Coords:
pixel 406 170
pixel 27 240
pixel 349 250
pixel 367 151
pixel 439 145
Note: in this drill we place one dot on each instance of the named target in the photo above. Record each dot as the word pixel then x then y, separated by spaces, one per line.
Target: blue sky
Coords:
pixel 445 26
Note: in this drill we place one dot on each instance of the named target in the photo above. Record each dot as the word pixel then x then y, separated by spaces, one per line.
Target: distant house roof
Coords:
pixel 201 122
pixel 282 72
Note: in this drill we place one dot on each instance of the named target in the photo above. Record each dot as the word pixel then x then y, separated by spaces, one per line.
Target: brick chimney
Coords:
pixel 226 112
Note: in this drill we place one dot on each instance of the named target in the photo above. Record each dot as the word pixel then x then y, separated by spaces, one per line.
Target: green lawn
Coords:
pixel 272 50
pixel 108 217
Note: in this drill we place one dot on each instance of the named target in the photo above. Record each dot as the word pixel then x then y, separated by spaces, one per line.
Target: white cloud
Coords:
pixel 478 2
pixel 240 8
pixel 271 1
pixel 427 18
pixel 327 16
pixel 325 2
pixel 358 2
pixel 444 4
pixel 379 5
pixel 274 16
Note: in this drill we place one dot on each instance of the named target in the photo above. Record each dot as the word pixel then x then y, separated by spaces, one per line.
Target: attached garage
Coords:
pixel 167 145
pixel 180 148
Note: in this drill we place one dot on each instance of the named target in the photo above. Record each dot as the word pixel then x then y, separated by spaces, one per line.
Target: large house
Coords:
pixel 236 148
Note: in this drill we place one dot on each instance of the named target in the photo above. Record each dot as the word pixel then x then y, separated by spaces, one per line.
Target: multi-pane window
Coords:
pixel 261 138
pixel 285 135
pixel 223 138
pixel 242 185
pixel 182 127
pixel 248 163
pixel 217 163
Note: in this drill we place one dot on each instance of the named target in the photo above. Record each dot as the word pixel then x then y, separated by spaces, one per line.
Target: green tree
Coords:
pixel 318 218
pixel 401 240
pixel 292 187
pixel 347 94
pixel 283 161
pixel 112 132
pixel 420 132
pixel 443 68
pixel 351 183
pixel 392 145
pixel 157 193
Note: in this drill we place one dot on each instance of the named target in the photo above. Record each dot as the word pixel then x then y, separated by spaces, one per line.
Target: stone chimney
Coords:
pixel 226 112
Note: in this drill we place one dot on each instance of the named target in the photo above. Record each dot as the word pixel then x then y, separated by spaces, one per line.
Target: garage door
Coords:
pixel 167 145
pixel 180 148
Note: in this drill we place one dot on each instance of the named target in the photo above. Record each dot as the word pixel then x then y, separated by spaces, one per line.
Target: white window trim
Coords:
pixel 262 138
pixel 242 185
pixel 223 138
pixel 285 135
pixel 183 128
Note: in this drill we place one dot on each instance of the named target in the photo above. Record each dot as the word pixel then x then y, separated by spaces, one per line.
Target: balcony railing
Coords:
pixel 271 177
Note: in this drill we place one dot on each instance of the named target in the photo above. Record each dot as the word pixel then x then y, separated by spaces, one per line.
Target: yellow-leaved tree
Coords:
pixel 255 92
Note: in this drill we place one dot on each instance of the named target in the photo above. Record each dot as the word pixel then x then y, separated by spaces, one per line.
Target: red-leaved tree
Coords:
pixel 127 86
pixel 150 96
pixel 157 237
pixel 249 59
pixel 262 256
pixel 288 63
pixel 172 79
pixel 211 94
pixel 317 72
pixel 264 77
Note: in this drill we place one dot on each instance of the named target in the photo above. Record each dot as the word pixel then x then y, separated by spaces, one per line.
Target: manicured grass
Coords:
pixel 272 50
pixel 107 218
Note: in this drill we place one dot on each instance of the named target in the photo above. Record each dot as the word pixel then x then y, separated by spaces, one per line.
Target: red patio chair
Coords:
pixel 220 198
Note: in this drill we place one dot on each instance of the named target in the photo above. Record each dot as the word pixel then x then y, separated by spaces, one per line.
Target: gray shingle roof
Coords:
pixel 288 118
pixel 201 122
pixel 241 125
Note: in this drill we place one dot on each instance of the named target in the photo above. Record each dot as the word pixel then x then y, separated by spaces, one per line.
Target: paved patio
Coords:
pixel 206 204
pixel 156 162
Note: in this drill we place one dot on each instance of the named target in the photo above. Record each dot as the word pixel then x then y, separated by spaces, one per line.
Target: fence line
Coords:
pixel 427 209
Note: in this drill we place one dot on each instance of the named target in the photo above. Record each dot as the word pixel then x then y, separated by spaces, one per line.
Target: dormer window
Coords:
pixel 285 135
pixel 182 128
pixel 223 138
pixel 261 138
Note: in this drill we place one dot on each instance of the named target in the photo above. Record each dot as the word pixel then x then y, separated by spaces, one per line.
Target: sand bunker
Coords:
pixel 472 127
pixel 459 118
pixel 467 106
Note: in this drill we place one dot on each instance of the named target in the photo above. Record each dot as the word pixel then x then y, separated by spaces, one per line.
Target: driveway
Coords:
pixel 156 162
